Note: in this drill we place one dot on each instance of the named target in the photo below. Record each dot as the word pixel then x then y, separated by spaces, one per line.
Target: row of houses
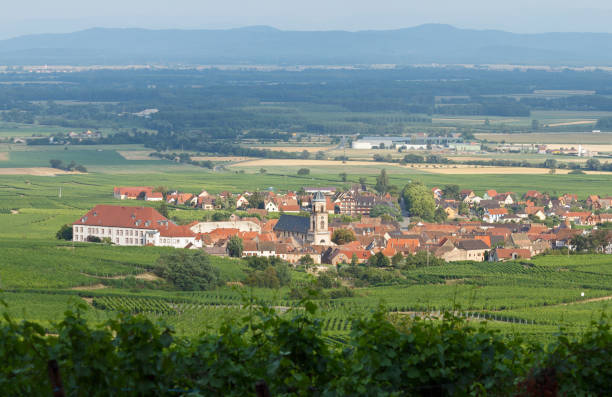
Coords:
pixel 494 207
pixel 354 201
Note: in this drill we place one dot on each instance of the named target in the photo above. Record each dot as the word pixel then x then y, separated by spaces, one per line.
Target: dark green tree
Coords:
pixel 64 233
pixel 235 247
pixel 343 236
pixel 382 182
pixel 419 201
pixel 163 208
pixel 379 260
pixel 188 270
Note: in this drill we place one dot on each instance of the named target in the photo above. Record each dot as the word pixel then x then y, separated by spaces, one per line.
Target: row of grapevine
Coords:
pixel 133 305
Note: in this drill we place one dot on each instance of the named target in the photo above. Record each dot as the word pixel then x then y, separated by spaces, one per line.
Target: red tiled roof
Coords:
pixel 145 218
pixel 577 214
pixel 120 216
pixel 506 253
pixel 497 211
pixel 486 239
pixel 133 191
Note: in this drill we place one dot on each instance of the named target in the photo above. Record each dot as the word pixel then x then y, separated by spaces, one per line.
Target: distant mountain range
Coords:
pixel 259 45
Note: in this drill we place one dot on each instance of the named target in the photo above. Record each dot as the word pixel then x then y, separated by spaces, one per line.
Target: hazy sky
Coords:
pixel 40 16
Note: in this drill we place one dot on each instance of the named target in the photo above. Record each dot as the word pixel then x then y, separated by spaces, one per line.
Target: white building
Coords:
pixel 137 226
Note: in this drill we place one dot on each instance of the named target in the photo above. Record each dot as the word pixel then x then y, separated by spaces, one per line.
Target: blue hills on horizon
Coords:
pixel 261 45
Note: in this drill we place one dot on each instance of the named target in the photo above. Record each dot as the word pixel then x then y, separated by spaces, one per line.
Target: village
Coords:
pixel 333 226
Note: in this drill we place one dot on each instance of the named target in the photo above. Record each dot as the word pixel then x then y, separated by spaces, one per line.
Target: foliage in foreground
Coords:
pixel 133 356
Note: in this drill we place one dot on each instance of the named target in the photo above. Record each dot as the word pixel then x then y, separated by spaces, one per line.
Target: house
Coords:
pixel 537 212
pixel 505 198
pixel 592 201
pixel 327 191
pixel 207 203
pixel 474 249
pixel 487 204
pixel 504 254
pixel 242 202
pixel 238 225
pixel 263 248
pixel 270 206
pixel 578 217
pixel 336 256
pixel 154 196
pixel 437 193
pixel 354 202
pixel 462 250
pixel 132 193
pixel 137 226
pixel 179 198
pixel 533 195
pixel 466 194
pixel 493 215
pixel 489 194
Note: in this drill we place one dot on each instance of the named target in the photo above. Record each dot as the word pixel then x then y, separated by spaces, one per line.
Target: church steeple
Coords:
pixel 319 228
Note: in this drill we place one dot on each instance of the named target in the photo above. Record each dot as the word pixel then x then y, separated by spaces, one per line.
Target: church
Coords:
pixel 313 230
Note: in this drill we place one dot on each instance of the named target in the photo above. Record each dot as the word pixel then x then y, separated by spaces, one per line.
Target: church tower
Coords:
pixel 318 233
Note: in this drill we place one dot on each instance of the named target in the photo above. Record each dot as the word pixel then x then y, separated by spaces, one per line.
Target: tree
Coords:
pixel 580 243
pixel 343 236
pixel 262 170
pixel 303 171
pixel 343 176
pixel 423 258
pixel 58 164
pixel 325 281
pixel 382 182
pixel 64 233
pixel 379 260
pixel 305 154
pixel 354 260
pixel 161 189
pixel 306 261
pixel 397 259
pixel 257 262
pixel 362 181
pixel 163 208
pixel 384 209
pixel 283 274
pixel 451 192
pixel 267 278
pixel 440 215
pixel 413 158
pixel 550 163
pixel 188 270
pixel 320 155
pixel 419 201
pixel 593 165
pixel 235 247
pixel 257 200
pixel 94 239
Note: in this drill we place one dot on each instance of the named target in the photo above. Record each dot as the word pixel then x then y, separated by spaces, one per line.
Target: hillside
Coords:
pixel 430 43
